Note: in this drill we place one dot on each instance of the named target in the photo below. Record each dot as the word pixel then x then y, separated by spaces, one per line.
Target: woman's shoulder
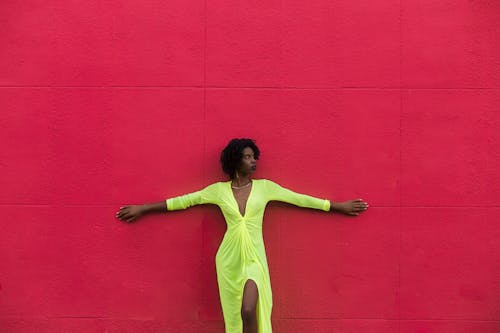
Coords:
pixel 215 185
pixel 268 183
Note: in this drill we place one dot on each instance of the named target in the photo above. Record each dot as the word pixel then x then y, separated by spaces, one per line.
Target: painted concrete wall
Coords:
pixel 105 103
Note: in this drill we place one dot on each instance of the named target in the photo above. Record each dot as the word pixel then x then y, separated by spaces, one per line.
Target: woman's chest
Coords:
pixel 243 203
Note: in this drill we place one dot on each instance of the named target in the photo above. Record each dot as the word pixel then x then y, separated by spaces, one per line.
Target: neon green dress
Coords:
pixel 241 255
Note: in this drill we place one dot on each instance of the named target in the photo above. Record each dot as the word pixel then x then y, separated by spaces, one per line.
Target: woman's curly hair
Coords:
pixel 230 157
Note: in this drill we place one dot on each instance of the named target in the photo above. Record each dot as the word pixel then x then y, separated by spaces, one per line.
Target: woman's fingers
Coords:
pixel 355 204
pixel 131 218
pixel 353 207
pixel 123 214
pixel 126 214
pixel 124 211
pixel 358 205
pixel 126 217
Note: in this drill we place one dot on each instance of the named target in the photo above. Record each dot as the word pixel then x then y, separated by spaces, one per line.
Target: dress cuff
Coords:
pixel 326 205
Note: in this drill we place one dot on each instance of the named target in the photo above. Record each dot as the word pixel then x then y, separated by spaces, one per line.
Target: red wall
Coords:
pixel 105 103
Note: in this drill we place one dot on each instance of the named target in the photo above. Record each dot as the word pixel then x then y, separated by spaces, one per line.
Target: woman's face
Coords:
pixel 248 163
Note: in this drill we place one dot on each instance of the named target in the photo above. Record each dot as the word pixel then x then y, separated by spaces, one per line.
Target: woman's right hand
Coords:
pixel 130 213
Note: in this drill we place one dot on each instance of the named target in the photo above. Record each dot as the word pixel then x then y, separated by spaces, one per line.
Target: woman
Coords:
pixel 241 264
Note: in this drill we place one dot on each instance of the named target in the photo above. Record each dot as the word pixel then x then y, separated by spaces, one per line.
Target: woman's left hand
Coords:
pixel 351 207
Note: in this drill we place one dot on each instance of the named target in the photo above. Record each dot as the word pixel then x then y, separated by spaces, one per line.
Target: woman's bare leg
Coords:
pixel 249 307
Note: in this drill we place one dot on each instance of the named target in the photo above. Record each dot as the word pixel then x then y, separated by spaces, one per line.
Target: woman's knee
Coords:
pixel 248 313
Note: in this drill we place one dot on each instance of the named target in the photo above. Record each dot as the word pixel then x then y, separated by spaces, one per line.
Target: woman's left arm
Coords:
pixel 280 193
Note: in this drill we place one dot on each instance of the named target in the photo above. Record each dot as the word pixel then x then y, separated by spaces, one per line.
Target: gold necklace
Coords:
pixel 238 187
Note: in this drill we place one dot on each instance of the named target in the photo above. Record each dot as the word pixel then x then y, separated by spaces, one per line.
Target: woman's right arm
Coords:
pixel 204 196
pixel 133 212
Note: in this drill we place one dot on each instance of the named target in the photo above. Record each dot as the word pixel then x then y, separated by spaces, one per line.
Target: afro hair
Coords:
pixel 231 155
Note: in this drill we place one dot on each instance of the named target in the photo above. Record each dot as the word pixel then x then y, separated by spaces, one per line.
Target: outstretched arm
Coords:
pixel 350 207
pixel 204 196
pixel 280 193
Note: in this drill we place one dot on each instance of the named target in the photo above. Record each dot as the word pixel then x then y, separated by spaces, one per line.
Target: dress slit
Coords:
pixel 257 307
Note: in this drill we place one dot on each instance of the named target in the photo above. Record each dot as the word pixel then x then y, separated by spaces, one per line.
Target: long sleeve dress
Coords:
pixel 241 254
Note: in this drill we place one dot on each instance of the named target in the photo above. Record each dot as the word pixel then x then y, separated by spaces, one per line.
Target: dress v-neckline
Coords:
pixel 236 201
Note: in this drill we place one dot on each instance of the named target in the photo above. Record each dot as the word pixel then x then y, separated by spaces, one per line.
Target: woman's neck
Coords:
pixel 241 181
